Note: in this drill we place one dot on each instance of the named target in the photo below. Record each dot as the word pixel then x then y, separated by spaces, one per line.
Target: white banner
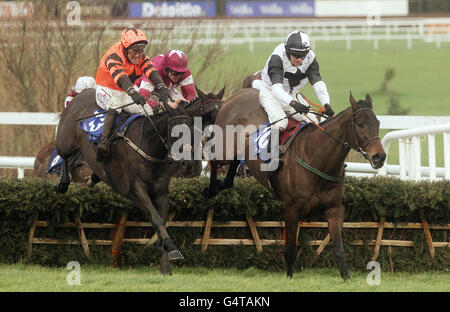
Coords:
pixel 370 8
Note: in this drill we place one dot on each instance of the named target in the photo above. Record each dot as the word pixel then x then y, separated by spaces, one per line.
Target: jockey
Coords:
pixel 119 68
pixel 173 68
pixel 84 82
pixel 290 66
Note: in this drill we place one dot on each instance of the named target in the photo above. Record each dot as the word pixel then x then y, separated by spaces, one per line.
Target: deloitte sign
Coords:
pixel 172 9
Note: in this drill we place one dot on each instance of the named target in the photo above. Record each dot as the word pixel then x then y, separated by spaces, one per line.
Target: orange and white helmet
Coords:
pixel 132 36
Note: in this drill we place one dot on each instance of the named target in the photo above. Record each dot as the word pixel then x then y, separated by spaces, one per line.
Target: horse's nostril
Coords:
pixel 379 157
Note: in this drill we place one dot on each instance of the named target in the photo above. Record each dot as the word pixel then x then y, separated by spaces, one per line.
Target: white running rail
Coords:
pixel 410 167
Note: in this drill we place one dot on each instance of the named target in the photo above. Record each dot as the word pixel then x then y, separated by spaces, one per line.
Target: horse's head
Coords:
pixel 209 105
pixel 366 128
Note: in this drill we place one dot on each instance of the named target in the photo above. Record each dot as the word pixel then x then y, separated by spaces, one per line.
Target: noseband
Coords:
pixel 359 148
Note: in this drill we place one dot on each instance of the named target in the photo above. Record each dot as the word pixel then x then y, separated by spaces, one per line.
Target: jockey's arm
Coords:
pixel 319 86
pixel 275 72
pixel 115 65
pixel 156 80
pixel 188 88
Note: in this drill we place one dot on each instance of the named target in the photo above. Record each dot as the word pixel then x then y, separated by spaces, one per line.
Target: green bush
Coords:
pixel 365 200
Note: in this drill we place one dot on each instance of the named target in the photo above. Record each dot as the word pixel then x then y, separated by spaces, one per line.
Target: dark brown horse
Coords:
pixel 79 171
pixel 323 148
pixel 138 164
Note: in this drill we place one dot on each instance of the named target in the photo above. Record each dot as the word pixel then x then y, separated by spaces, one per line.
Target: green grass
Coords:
pixel 420 82
pixel 20 277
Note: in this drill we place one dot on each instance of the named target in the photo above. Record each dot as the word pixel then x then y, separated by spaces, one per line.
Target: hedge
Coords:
pixel 365 199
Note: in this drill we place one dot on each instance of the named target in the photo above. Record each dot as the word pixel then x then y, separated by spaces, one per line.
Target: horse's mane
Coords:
pixel 361 103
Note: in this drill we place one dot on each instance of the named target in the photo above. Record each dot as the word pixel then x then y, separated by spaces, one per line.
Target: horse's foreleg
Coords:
pixel 212 190
pixel 162 204
pixel 335 218
pixel 290 254
pixel 64 182
pixel 143 201
pixel 231 173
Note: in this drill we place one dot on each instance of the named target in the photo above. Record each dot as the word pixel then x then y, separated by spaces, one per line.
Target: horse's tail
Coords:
pixel 46 151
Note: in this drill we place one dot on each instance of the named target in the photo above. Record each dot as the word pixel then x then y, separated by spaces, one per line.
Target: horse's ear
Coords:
pixel 221 93
pixel 369 100
pixel 200 94
pixel 353 101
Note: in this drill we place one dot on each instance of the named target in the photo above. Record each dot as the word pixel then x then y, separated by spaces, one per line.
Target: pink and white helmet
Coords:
pixel 176 60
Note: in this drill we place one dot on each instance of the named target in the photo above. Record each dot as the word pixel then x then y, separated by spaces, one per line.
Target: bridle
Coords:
pixel 358 148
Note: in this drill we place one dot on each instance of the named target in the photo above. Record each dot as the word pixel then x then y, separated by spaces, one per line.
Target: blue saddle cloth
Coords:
pixel 54 163
pixel 94 125
pixel 260 141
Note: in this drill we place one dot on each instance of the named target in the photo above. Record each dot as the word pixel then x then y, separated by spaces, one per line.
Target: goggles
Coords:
pixel 175 73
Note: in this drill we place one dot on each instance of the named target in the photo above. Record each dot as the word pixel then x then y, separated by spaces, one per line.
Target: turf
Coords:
pixel 20 277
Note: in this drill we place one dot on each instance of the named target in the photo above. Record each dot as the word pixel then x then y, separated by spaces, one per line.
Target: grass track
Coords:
pixel 31 278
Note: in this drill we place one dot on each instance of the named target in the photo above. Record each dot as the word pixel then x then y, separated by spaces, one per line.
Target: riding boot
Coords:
pixel 103 146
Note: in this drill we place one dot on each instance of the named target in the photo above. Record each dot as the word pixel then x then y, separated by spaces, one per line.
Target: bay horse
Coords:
pixel 138 164
pixel 322 147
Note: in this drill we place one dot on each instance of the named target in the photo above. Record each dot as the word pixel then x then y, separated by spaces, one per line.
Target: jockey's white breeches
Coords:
pixel 276 110
pixel 113 99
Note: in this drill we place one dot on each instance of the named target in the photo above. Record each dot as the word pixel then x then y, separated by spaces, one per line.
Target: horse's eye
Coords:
pixel 360 124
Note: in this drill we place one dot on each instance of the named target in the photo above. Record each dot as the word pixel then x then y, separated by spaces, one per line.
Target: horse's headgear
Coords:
pixel 297 43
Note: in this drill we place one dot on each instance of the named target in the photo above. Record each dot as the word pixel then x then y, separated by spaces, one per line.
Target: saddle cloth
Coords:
pixel 94 125
pixel 54 163
pixel 260 140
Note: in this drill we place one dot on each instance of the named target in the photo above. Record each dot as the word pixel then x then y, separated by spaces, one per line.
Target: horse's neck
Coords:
pixel 151 140
pixel 327 150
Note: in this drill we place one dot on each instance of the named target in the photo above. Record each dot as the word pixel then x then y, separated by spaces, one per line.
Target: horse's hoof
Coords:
pixel 61 187
pixel 346 277
pixel 175 255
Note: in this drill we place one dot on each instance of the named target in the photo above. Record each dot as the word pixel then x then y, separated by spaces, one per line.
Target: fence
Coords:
pixel 118 234
pixel 409 138
pixel 251 31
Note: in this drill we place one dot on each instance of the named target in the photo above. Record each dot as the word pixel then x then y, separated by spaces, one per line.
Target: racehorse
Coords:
pixel 311 178
pixel 138 164
pixel 79 171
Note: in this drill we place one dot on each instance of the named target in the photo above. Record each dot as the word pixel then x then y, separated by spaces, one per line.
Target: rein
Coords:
pixel 347 145
pixel 144 154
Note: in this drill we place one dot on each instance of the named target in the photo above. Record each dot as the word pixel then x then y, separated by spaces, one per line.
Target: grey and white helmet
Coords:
pixel 298 44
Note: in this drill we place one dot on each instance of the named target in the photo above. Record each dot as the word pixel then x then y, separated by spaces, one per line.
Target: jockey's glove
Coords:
pixel 163 93
pixel 328 111
pixel 300 108
pixel 137 98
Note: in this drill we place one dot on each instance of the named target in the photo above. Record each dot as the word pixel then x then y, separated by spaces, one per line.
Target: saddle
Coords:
pixel 94 125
